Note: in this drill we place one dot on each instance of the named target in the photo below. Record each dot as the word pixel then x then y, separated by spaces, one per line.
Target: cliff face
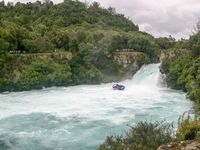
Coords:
pixel 130 61
pixel 168 54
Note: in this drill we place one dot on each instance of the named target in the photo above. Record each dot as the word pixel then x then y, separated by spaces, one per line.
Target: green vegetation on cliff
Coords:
pixel 184 73
pixel 92 35
pixel 34 71
pixel 181 66
pixel 182 70
pixel 180 62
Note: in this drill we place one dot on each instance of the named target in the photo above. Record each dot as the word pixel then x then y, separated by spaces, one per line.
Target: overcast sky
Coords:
pixel 158 17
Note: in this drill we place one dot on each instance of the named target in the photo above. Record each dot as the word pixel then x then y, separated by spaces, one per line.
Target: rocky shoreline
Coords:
pixel 182 145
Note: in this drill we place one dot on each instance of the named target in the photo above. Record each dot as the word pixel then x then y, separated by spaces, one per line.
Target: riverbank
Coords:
pixel 182 72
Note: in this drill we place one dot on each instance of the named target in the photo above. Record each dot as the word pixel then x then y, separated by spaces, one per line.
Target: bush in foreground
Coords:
pixel 142 136
pixel 188 127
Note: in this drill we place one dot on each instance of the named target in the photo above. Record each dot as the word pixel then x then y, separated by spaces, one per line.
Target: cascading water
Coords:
pixel 80 117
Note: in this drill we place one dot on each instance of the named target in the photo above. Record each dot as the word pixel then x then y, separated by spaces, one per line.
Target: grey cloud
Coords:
pixel 160 17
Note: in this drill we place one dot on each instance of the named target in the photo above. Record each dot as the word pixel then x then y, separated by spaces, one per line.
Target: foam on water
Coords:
pixel 80 117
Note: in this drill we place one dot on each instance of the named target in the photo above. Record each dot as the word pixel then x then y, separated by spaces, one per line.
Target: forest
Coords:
pixel 90 33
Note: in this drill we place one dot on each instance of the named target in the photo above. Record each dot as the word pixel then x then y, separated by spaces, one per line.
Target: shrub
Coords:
pixel 142 136
pixel 188 128
pixel 45 73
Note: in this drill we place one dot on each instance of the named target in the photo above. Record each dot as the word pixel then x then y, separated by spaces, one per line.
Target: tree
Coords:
pixel 29 45
pixel 2 3
pixel 119 42
pixel 61 40
pixel 165 43
pixel 197 27
pixel 144 44
pixel 43 45
pixel 4 46
pixel 95 5
pixel 196 49
pixel 112 10
pixel 10 5
pixel 73 46
pixel 195 44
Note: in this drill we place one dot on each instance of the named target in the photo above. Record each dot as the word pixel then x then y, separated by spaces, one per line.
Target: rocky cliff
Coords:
pixel 130 61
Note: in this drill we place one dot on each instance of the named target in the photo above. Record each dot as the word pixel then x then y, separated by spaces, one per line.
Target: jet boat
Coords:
pixel 118 87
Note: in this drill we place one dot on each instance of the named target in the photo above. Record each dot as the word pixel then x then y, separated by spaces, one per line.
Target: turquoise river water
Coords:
pixel 80 117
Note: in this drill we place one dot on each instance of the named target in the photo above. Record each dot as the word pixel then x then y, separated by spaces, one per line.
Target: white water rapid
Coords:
pixel 80 117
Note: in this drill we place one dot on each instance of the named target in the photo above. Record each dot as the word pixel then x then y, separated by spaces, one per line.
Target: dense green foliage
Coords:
pixel 195 44
pixel 142 136
pixel 188 127
pixel 182 67
pixel 91 33
pixel 39 27
pixel 26 72
pixel 165 43
pixel 183 72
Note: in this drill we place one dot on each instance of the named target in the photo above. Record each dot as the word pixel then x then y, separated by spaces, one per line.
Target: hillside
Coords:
pixel 39 27
pixel 181 66
pixel 91 34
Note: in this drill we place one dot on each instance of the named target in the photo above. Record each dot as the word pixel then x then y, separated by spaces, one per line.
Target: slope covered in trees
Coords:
pixel 182 67
pixel 39 27
pixel 89 32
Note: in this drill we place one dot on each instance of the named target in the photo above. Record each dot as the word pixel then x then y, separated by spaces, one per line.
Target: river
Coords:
pixel 80 117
